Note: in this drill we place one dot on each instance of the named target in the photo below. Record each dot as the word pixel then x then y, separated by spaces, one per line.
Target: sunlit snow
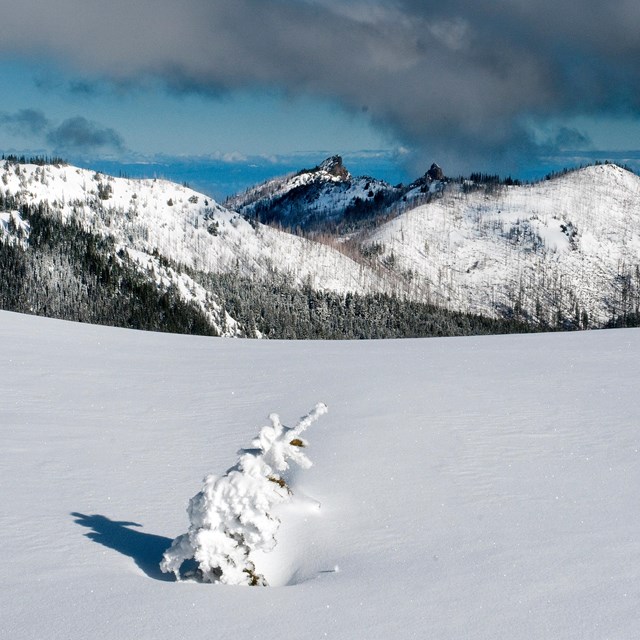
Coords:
pixel 465 487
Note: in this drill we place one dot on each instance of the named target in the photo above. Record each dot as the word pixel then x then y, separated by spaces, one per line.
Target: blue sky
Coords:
pixel 153 119
pixel 237 138
pixel 230 92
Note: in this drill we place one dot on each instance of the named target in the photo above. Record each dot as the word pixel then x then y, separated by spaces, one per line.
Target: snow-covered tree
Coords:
pixel 231 516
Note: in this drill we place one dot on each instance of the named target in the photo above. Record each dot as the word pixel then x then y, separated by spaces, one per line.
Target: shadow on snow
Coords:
pixel 145 549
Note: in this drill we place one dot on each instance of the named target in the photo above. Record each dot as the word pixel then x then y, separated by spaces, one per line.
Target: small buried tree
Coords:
pixel 231 515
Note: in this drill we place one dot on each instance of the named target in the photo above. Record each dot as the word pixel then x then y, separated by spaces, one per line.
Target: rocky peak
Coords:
pixel 435 173
pixel 334 167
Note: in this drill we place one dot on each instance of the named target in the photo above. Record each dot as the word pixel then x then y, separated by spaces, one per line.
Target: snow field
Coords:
pixel 468 488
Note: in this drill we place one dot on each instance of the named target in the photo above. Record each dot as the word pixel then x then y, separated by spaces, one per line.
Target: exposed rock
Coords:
pixel 435 172
pixel 334 167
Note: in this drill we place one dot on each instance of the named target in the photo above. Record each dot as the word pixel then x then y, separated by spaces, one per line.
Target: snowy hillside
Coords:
pixel 479 488
pixel 564 248
pixel 166 218
pixel 563 252
pixel 154 221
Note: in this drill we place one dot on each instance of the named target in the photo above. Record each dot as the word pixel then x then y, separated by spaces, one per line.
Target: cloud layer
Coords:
pixel 74 135
pixel 462 80
pixel 81 134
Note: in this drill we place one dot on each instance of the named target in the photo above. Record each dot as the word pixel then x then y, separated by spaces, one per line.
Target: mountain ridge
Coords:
pixel 569 245
pixel 560 253
pixel 328 198
pixel 443 238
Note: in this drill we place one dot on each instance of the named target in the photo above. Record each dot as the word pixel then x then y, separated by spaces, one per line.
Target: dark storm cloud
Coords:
pixel 29 122
pixel 568 138
pixel 73 135
pixel 461 80
pixel 80 134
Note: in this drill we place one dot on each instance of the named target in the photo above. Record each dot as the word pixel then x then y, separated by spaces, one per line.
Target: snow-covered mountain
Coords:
pixel 562 252
pixel 565 248
pixel 148 217
pixel 168 232
pixel 321 198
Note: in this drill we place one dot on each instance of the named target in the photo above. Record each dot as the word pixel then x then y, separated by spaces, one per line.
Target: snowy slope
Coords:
pixel 329 171
pixel 570 245
pixel 563 251
pixel 560 252
pixel 155 217
pixel 478 488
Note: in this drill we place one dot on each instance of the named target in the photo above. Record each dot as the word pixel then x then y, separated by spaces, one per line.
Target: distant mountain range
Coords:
pixel 322 253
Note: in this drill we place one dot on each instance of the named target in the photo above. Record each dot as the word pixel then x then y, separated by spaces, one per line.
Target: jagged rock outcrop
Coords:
pixel 333 166
pixel 324 198
pixel 435 172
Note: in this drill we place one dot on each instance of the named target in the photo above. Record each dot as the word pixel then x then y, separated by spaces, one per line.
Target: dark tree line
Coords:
pixel 40 161
pixel 69 273
pixel 281 311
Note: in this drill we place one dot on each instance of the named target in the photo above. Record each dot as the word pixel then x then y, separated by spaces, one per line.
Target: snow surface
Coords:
pixel 465 487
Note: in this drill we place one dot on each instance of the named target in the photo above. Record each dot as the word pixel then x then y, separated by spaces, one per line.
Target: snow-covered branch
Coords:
pixel 231 515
